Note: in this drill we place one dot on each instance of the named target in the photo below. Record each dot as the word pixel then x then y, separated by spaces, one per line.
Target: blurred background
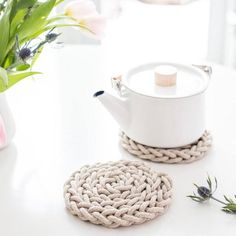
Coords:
pixel 187 31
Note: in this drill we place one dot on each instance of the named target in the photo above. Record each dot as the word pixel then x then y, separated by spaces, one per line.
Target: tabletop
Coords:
pixel 61 127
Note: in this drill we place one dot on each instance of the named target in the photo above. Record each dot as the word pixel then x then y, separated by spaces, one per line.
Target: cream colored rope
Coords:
pixel 117 194
pixel 185 154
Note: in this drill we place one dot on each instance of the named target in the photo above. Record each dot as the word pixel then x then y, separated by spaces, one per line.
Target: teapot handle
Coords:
pixel 205 68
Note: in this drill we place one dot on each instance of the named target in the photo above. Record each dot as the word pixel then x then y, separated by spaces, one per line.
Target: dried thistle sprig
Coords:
pixel 23 54
pixel 206 193
pixel 230 206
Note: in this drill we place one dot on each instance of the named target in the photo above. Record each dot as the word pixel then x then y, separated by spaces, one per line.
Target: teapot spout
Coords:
pixel 116 107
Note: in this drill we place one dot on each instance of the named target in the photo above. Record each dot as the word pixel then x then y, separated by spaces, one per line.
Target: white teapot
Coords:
pixel 161 104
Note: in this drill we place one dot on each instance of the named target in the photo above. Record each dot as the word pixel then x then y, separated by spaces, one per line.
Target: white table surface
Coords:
pixel 61 127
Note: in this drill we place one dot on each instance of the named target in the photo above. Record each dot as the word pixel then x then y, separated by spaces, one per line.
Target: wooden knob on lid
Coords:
pixel 165 75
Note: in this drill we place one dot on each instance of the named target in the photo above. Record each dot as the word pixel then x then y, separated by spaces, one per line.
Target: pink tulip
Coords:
pixel 80 8
pixel 96 24
pixel 85 14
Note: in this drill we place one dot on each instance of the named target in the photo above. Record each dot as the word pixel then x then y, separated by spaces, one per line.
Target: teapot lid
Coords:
pixel 167 80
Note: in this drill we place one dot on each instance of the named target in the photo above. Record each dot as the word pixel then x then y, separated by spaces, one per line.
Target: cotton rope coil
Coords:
pixel 117 194
pixel 186 154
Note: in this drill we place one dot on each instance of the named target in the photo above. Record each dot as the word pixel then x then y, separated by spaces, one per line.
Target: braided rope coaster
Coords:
pixel 117 194
pixel 187 154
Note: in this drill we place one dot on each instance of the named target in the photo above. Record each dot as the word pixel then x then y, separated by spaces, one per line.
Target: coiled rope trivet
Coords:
pixel 117 194
pixel 185 154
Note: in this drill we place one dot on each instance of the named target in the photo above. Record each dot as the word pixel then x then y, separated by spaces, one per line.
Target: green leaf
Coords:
pixel 4 36
pixel 16 21
pixel 3 76
pixel 34 25
pixel 9 60
pixel 16 77
pixel 37 19
pixel 59 1
pixel 59 25
pixel 22 67
pixel 21 4
pixel 59 18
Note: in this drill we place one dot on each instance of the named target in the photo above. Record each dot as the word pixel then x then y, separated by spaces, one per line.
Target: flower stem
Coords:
pixel 218 200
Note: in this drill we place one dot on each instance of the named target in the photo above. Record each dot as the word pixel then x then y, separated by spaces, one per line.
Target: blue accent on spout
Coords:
pixel 98 93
